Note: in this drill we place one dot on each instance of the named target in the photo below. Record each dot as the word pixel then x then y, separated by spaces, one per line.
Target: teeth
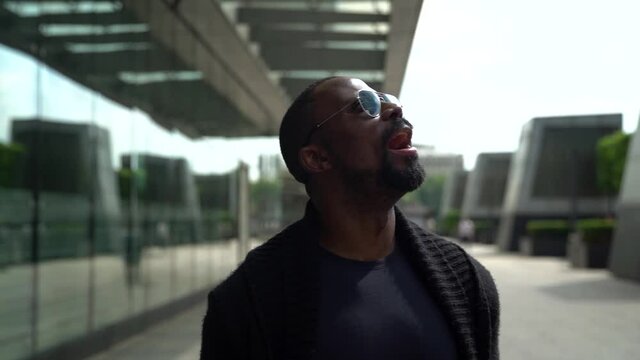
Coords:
pixel 401 140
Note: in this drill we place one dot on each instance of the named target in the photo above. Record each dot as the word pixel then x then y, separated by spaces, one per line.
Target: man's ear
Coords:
pixel 314 159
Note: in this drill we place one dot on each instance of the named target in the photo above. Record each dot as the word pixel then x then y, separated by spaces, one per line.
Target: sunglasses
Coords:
pixel 370 101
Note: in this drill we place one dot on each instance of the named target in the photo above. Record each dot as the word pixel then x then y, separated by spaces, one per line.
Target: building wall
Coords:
pixel 486 185
pixel 454 190
pixel 625 252
pixel 553 173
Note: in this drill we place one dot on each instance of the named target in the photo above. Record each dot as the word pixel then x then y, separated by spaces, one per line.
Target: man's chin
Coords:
pixel 405 179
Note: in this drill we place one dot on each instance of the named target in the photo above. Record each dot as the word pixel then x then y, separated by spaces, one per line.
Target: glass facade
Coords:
pixel 102 215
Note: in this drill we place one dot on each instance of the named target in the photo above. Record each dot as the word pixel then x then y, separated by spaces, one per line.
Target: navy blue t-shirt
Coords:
pixel 378 310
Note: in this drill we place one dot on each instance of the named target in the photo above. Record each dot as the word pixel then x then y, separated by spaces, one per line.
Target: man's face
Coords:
pixel 365 149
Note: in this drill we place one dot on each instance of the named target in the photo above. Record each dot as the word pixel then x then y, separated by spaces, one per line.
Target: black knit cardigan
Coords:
pixel 266 309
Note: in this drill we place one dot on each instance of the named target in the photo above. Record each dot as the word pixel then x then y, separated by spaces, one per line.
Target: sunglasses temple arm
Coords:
pixel 334 114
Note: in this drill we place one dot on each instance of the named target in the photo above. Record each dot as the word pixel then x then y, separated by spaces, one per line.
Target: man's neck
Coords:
pixel 357 232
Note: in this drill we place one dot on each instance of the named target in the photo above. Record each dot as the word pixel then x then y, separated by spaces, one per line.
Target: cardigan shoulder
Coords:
pixel 475 278
pixel 245 303
pixel 270 254
pixel 261 266
pixel 451 264
pixel 453 255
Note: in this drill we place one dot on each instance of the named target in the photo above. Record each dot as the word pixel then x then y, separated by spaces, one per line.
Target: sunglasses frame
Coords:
pixel 382 98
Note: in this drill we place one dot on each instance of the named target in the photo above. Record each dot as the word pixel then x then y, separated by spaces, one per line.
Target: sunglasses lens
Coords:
pixel 388 98
pixel 370 102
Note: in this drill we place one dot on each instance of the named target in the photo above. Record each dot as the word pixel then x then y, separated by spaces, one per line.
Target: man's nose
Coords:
pixel 391 112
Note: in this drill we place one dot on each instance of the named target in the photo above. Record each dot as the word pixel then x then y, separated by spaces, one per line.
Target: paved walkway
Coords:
pixel 549 312
pixel 176 339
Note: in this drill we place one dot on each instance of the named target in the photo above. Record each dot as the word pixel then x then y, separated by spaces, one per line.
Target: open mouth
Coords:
pixel 400 140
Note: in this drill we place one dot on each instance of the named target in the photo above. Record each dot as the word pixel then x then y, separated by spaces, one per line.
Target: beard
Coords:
pixel 402 180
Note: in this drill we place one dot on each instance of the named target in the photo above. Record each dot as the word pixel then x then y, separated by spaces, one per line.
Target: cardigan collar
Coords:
pixel 439 269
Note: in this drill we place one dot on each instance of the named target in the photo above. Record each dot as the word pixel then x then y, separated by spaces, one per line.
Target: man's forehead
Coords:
pixel 339 88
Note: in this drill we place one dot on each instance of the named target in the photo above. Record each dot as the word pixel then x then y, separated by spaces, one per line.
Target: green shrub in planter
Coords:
pixel 596 224
pixel 450 222
pixel 545 238
pixel 485 231
pixel 483 225
pixel 535 227
pixel 590 245
pixel 595 229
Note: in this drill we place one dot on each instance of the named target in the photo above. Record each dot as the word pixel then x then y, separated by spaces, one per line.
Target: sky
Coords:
pixel 477 72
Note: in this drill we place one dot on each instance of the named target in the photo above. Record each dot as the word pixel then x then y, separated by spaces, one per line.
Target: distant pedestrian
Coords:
pixel 432 225
pixel 466 230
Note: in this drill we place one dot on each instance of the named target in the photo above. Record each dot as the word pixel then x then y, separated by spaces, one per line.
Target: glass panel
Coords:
pixel 17 100
pixel 114 196
pixel 158 261
pixel 113 298
pixel 64 173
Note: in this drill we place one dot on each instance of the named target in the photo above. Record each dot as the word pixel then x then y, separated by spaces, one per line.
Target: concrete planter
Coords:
pixel 486 235
pixel 544 244
pixel 590 251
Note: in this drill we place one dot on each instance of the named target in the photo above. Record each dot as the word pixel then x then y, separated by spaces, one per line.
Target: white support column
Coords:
pixel 243 210
pixel 402 27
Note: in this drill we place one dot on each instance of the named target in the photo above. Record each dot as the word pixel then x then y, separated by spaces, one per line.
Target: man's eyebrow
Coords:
pixel 355 104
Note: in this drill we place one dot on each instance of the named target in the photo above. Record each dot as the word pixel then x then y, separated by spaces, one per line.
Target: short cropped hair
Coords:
pixel 296 125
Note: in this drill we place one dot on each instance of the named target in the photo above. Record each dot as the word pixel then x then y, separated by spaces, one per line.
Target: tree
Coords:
pixel 611 159
pixel 12 158
pixel 127 179
pixel 610 162
pixel 449 224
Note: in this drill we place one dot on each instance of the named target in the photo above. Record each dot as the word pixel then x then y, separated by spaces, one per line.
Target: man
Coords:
pixel 354 279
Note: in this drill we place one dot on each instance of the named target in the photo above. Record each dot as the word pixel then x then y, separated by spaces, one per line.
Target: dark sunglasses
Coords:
pixel 370 101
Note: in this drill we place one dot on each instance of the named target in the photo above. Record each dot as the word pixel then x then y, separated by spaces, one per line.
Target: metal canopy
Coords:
pixel 188 65
pixel 304 40
pixel 267 35
pixel 262 15
pixel 116 17
pixel 283 58
pixel 139 54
